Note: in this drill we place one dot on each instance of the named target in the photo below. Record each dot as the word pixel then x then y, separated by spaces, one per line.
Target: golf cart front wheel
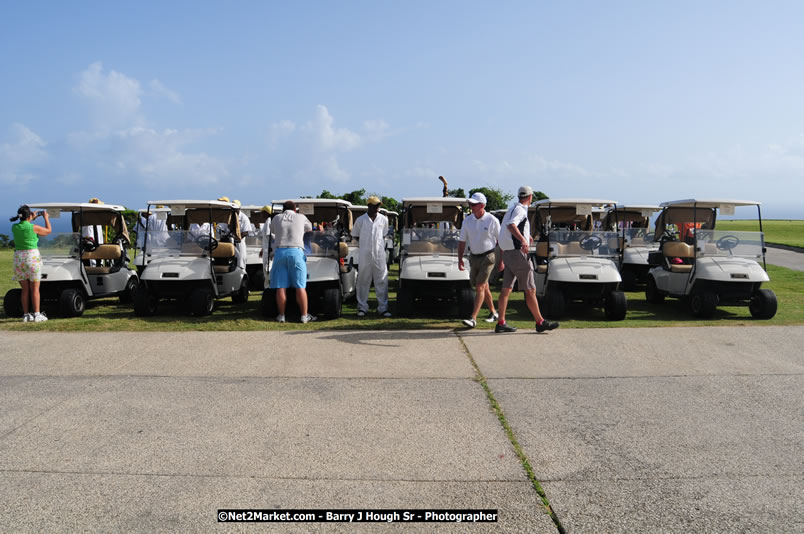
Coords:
pixel 466 301
pixel 704 303
pixel 556 303
pixel 268 303
pixel 763 304
pixel 332 302
pixel 616 306
pixel 144 303
pixel 12 303
pixel 72 303
pixel 242 294
pixel 404 302
pixel 201 301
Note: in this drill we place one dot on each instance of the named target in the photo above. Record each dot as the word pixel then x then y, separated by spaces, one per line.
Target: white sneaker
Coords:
pixel 361 313
pixel 492 318
pixel 280 318
pixel 39 317
pixel 308 318
pixel 387 314
pixel 28 318
pixel 471 323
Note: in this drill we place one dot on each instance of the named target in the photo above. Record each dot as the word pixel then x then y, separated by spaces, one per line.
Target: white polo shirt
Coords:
pixel 480 234
pixel 515 215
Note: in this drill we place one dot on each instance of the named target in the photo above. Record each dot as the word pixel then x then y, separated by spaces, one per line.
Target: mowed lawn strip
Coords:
pixel 780 232
pixel 110 315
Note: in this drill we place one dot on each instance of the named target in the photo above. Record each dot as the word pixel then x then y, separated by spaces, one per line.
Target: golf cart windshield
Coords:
pixel 59 245
pixel 584 243
pixel 730 244
pixel 639 237
pixel 322 243
pixel 432 238
pixel 194 242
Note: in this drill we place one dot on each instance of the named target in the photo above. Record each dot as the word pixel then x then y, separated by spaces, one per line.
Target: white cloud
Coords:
pixel 21 155
pixel 159 89
pixel 113 98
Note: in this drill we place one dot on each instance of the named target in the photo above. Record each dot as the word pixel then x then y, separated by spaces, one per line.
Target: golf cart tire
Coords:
pixel 466 301
pixel 704 303
pixel 72 303
pixel 127 295
pixel 145 304
pixel 268 303
pixel 629 280
pixel 763 304
pixel 556 303
pixel 332 302
pixel 404 302
pixel 12 303
pixel 241 296
pixel 652 293
pixel 258 280
pixel 616 306
pixel 202 301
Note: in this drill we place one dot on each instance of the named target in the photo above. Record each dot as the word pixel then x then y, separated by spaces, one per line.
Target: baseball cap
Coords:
pixel 223 199
pixel 525 191
pixel 478 198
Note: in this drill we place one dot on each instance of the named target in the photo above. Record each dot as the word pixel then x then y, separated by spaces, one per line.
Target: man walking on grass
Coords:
pixel 480 230
pixel 515 243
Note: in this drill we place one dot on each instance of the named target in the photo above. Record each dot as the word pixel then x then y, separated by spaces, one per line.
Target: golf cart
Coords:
pixel 632 223
pixel 194 264
pixel 574 262
pixel 428 263
pixel 705 266
pixel 254 265
pixel 91 262
pixel 161 222
pixel 331 273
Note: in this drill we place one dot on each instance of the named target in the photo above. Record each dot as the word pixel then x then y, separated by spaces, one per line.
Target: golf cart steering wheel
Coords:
pixel 121 240
pixel 327 241
pixel 451 240
pixel 728 242
pixel 88 244
pixel 590 242
pixel 207 243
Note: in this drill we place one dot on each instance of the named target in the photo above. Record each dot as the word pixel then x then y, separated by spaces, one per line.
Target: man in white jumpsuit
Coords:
pixel 370 229
pixel 246 229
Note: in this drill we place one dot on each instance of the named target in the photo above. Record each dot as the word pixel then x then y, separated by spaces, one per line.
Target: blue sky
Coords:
pixel 630 100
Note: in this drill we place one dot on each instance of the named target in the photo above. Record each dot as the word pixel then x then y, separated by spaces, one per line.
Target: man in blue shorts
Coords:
pixel 290 265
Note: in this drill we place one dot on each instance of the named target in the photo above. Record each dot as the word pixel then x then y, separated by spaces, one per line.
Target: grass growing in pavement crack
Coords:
pixel 481 379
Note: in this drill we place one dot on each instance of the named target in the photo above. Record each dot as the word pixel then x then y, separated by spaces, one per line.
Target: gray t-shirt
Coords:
pixel 288 229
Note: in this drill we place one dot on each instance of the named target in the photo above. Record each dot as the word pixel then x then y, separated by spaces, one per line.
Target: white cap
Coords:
pixel 478 198
pixel 525 191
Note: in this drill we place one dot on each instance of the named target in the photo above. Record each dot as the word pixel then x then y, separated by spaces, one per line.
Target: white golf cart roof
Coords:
pixel 707 203
pixel 143 211
pixel 360 209
pixel 77 206
pixel 452 201
pixel 569 202
pixel 322 201
pixel 636 207
pixel 193 203
pixel 250 207
pixel 387 212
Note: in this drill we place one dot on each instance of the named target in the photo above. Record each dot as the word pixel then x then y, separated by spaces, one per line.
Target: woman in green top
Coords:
pixel 28 261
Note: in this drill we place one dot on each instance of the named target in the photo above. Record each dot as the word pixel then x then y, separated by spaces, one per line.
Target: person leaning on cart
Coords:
pixel 515 244
pixel 28 261
pixel 289 268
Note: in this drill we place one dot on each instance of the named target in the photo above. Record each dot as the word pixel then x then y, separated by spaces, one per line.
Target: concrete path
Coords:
pixel 643 430
pixel 785 258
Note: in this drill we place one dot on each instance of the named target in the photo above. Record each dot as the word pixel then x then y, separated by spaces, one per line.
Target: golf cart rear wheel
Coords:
pixel 268 303
pixel 258 280
pixel 704 303
pixel 616 306
pixel 242 294
pixel 144 303
pixel 128 293
pixel 72 303
pixel 201 301
pixel 332 302
pixel 556 303
pixel 763 304
pixel 466 301
pixel 12 303
pixel 629 280
pixel 652 293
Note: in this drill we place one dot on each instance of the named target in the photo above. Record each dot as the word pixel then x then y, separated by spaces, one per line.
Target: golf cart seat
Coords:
pixel 678 249
pixel 542 253
pixel 223 256
pixel 104 252
pixel 421 247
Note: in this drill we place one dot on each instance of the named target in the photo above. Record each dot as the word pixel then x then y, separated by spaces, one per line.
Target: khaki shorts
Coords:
pixel 517 265
pixel 480 267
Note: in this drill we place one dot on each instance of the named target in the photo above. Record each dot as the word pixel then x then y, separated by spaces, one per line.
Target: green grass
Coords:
pixel 110 315
pixel 782 232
